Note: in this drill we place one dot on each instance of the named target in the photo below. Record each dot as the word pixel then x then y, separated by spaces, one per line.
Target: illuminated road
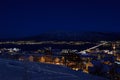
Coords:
pixel 103 43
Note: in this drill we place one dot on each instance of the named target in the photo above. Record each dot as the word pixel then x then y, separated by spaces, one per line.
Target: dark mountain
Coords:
pixel 76 36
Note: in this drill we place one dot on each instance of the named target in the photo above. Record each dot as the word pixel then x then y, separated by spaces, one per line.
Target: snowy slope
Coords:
pixel 16 70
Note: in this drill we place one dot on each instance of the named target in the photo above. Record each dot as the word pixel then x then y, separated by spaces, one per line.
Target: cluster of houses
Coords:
pixel 97 63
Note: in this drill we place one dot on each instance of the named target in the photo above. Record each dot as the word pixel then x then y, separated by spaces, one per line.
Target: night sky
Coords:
pixel 27 18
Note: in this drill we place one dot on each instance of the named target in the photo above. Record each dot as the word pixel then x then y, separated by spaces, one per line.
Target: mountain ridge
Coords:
pixel 73 36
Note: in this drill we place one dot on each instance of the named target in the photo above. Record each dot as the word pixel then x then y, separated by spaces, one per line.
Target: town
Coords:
pixel 101 59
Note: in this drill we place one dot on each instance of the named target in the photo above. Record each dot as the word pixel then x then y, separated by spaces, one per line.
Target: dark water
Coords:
pixel 54 46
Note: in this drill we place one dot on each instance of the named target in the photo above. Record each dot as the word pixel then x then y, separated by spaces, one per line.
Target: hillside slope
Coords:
pixel 15 70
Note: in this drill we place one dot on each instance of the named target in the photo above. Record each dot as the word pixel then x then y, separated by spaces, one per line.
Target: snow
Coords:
pixel 16 70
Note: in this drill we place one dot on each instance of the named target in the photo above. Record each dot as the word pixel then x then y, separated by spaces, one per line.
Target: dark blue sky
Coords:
pixel 30 17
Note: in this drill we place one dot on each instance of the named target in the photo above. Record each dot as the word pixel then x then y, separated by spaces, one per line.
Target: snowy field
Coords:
pixel 16 70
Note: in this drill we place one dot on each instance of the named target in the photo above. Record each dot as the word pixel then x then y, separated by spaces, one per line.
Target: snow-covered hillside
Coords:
pixel 16 70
